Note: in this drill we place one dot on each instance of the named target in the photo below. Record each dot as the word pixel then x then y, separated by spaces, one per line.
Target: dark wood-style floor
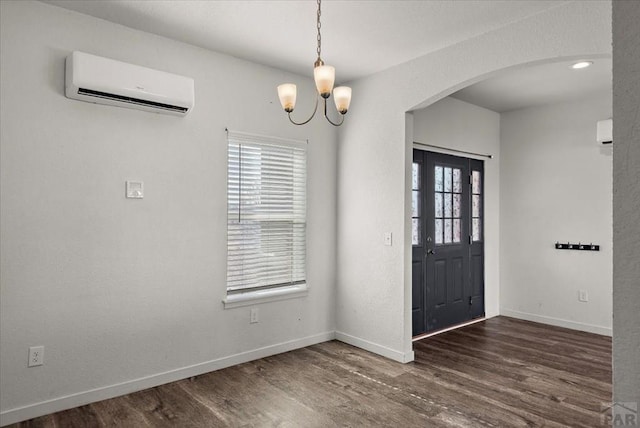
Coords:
pixel 498 373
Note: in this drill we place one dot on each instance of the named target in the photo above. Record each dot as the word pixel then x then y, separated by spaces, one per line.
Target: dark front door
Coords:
pixel 447 238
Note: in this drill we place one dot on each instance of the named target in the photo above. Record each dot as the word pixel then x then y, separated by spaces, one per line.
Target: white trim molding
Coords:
pixel 255 297
pixel 24 413
pixel 558 322
pixel 12 416
pixel 401 357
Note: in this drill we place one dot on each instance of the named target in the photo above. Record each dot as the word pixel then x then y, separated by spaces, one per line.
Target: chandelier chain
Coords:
pixel 319 35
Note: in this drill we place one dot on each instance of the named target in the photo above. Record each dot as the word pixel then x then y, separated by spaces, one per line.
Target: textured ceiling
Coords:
pixel 358 37
pixel 539 85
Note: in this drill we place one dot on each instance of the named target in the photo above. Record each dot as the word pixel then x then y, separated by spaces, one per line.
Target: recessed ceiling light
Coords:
pixel 581 64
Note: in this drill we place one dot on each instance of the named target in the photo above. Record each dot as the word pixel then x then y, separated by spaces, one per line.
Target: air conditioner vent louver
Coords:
pixel 101 80
pixel 130 100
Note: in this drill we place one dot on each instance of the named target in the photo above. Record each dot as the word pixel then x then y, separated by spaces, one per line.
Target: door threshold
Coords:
pixel 453 327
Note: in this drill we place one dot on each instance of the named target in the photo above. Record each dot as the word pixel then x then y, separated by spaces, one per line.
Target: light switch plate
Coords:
pixel 254 316
pixel 388 239
pixel 135 189
pixel 583 296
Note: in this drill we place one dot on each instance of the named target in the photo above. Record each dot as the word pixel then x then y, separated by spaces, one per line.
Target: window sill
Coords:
pixel 264 296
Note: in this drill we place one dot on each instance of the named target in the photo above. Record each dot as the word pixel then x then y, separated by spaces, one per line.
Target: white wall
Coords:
pixel 374 281
pixel 556 184
pixel 115 289
pixel 137 285
pixel 457 124
pixel 626 202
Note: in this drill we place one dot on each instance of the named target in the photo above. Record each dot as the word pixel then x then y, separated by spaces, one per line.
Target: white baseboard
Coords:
pixel 79 399
pixel 401 357
pixel 558 322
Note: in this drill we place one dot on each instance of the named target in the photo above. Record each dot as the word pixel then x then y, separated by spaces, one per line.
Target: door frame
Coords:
pixel 473 158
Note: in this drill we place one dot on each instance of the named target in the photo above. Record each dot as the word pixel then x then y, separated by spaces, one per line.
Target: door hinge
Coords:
pixel 470 240
pixel 470 300
pixel 470 179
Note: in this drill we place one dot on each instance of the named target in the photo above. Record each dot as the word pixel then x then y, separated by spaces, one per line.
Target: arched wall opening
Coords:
pixel 373 281
pixel 454 124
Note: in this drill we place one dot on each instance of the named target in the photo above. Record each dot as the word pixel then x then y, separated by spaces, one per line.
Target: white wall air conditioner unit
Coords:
pixel 106 81
pixel 604 131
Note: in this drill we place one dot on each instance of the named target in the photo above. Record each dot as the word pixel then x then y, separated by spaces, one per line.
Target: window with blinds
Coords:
pixel 266 218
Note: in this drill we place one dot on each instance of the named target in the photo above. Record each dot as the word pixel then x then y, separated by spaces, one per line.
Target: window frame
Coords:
pixel 240 296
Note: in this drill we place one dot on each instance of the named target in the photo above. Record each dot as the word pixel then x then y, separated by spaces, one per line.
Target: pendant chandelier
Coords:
pixel 324 76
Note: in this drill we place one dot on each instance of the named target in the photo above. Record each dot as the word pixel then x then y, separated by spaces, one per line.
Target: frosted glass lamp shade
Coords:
pixel 324 75
pixel 287 93
pixel 342 98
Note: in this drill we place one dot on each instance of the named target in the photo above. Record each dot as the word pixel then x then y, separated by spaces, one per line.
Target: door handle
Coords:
pixel 430 251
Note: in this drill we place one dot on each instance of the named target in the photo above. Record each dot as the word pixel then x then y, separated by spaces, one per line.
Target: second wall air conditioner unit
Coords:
pixel 604 131
pixel 106 81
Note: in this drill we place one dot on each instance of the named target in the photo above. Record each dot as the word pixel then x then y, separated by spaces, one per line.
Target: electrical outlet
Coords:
pixel 36 356
pixel 583 296
pixel 254 318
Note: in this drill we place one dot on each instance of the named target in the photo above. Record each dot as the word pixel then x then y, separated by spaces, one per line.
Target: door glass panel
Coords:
pixel 415 204
pixel 457 181
pixel 438 181
pixel 447 231
pixel 416 196
pixel 475 205
pixel 475 227
pixel 475 183
pixel 456 230
pixel 447 180
pixel 415 231
pixel 448 204
pixel 476 208
pixel 448 207
pixel 456 205
pixel 439 208
pixel 438 231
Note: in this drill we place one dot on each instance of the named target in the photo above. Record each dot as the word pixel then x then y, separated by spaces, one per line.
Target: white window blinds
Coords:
pixel 266 219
